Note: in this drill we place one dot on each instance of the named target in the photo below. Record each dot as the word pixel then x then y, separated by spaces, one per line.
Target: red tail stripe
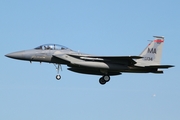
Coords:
pixel 159 40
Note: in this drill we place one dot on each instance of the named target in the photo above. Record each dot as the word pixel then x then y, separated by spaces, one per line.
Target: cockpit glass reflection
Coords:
pixel 51 47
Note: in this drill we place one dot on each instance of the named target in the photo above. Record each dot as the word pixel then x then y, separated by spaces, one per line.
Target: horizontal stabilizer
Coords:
pixel 160 66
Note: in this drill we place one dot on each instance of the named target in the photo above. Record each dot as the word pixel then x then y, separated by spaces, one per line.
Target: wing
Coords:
pixel 128 60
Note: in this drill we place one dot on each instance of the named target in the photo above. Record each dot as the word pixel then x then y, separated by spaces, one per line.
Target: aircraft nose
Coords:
pixel 15 55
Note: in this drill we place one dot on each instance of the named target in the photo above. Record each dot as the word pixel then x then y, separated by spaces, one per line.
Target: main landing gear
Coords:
pixel 104 79
pixel 58 66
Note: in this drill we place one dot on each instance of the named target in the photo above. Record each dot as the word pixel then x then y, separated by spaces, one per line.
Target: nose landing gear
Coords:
pixel 58 76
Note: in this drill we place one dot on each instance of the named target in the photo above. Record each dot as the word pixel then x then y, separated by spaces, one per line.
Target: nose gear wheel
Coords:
pixel 58 77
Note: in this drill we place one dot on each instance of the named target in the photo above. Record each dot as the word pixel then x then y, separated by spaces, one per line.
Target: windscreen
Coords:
pixel 51 47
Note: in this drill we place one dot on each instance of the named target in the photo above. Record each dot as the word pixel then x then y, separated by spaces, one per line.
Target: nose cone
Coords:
pixel 15 55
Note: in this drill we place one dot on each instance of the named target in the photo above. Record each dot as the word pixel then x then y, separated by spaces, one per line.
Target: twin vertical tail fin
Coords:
pixel 152 53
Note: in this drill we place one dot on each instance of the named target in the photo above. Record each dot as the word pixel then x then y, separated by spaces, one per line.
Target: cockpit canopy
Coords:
pixel 51 47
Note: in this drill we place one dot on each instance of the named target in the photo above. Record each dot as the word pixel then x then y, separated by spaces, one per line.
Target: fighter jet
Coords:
pixel 147 62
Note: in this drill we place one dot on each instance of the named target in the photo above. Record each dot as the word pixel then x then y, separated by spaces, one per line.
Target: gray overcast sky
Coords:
pixel 100 27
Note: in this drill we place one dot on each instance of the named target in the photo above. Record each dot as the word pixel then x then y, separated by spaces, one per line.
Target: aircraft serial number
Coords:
pixel 148 58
